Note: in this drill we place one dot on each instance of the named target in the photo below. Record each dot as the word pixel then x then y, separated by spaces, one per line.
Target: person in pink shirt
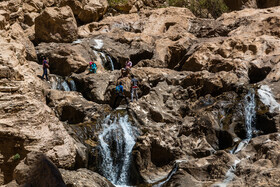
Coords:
pixel 127 70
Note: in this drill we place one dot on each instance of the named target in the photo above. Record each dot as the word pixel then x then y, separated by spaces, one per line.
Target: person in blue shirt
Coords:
pixel 119 95
pixel 92 67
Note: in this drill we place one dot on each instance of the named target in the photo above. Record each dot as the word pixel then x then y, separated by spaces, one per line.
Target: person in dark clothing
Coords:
pixel 45 68
pixel 119 95
pixel 134 87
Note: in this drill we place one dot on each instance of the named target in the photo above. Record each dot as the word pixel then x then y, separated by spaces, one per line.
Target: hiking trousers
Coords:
pixel 45 73
pixel 134 91
pixel 119 97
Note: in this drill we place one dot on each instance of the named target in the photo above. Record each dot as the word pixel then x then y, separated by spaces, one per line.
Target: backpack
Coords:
pixel 118 89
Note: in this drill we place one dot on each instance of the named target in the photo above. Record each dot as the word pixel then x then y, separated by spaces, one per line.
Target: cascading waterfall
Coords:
pixel 229 175
pixel 72 84
pixel 59 83
pixel 64 86
pixel 111 62
pixel 116 143
pixel 250 117
pixel 250 113
pixel 105 60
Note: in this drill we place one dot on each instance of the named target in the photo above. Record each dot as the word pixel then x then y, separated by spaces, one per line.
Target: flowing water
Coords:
pixel 229 175
pixel 249 120
pixel 250 113
pixel 116 143
pixel 64 84
pixel 173 171
pixel 105 60
pixel 72 84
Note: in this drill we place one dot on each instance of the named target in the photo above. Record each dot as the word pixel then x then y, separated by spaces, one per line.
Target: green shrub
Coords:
pixel 116 2
pixel 16 156
pixel 202 8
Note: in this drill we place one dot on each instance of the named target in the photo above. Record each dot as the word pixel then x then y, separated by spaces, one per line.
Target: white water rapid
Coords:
pixel 105 60
pixel 116 143
pixel 59 83
pixel 229 175
pixel 250 117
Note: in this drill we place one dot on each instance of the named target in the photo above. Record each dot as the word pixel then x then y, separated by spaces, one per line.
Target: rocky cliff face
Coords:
pixel 209 90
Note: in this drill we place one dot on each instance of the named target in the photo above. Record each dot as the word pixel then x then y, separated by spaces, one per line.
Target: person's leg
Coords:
pixel 46 74
pixel 132 89
pixel 136 95
pixel 115 102
pixel 126 100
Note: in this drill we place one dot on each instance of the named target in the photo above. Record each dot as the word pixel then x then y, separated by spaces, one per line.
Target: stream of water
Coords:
pixel 64 84
pixel 249 120
pixel 116 143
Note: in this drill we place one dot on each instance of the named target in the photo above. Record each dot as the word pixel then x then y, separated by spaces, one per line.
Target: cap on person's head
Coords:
pixel 132 76
pixel 120 83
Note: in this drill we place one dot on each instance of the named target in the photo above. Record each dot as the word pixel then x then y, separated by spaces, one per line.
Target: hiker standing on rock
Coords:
pixel 92 67
pixel 119 94
pixel 125 71
pixel 134 87
pixel 45 68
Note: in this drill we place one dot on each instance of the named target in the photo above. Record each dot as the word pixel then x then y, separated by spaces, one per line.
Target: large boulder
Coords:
pixel 37 170
pixel 94 87
pixel 56 25
pixel 84 177
pixel 74 108
pixel 18 33
pixel 67 58
pixel 87 10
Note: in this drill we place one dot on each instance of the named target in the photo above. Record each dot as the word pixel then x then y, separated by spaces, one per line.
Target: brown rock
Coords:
pixel 56 25
pixel 65 59
pixel 18 33
pixel 87 10
pixel 93 10
pixel 73 108
pixel 84 177
pixel 38 170
pixel 29 18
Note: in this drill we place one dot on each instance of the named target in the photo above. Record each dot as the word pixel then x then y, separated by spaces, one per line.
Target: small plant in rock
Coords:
pixel 202 8
pixel 116 2
pixel 16 157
